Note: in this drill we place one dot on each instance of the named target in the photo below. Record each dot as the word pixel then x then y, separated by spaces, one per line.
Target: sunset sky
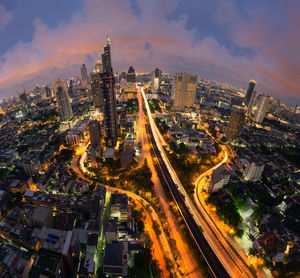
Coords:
pixel 225 40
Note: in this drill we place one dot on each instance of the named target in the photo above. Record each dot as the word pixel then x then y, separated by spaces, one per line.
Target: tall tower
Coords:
pixel 235 126
pixel 95 86
pixel 249 92
pixel 156 79
pixel 63 100
pixel 185 90
pixel 251 104
pixel 95 133
pixel 131 75
pixel 263 105
pixel 84 76
pixel 107 88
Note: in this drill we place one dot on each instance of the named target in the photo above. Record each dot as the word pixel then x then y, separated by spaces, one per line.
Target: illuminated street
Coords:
pixel 228 260
pixel 159 252
pixel 188 264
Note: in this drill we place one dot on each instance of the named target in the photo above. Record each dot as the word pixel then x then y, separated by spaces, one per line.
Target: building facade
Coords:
pixel 156 76
pixel 131 75
pixel 108 97
pixel 263 106
pixel 63 100
pixel 95 133
pixel 186 85
pixel 235 125
pixel 250 90
pixel 254 171
pixel 84 76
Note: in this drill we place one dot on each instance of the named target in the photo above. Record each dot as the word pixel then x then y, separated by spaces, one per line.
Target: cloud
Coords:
pixel 5 16
pixel 148 40
pixel 270 30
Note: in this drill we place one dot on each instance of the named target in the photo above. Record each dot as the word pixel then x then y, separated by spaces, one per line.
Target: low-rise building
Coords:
pixel 119 206
pixel 111 230
pixel 115 259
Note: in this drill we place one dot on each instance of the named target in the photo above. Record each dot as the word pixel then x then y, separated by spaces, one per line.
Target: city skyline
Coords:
pixel 182 43
pixel 148 175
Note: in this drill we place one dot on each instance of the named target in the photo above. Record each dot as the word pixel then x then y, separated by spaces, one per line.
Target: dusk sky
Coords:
pixel 225 40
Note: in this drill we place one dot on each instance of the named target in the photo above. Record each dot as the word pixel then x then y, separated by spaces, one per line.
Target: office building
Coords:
pixel 84 76
pixel 249 92
pixel 235 125
pixel 95 86
pixel 156 79
pixel 262 107
pixel 131 75
pixel 108 97
pixel 63 100
pixel 95 132
pixel 186 85
pixel 252 103
pixel 254 171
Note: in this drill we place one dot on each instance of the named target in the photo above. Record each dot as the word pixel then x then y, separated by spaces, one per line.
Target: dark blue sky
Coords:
pixel 232 40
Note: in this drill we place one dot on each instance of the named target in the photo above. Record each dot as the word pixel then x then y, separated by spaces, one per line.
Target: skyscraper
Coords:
pixel 107 88
pixel 131 75
pixel 84 76
pixel 262 107
pixel 95 133
pixel 249 92
pixel 63 100
pixel 95 86
pixel 235 125
pixel 156 79
pixel 24 98
pixel 185 90
pixel 252 103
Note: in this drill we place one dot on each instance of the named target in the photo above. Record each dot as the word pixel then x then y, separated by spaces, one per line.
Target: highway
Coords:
pixel 188 266
pixel 216 228
pixel 210 257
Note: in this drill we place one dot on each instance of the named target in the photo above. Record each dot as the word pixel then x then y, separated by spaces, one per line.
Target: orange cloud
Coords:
pixel 59 51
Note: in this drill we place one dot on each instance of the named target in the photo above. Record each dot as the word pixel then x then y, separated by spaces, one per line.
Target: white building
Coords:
pixel 263 105
pixel 219 178
pixel 254 171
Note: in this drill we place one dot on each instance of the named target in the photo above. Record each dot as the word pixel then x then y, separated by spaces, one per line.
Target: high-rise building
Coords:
pixel 249 92
pixel 95 86
pixel 156 79
pixel 252 103
pixel 185 90
pixel 95 133
pixel 107 87
pixel 63 100
pixel 173 90
pixel 48 92
pixel 262 107
pixel 235 125
pixel 131 75
pixel 254 171
pixel 84 76
pixel 24 98
pixel 123 75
